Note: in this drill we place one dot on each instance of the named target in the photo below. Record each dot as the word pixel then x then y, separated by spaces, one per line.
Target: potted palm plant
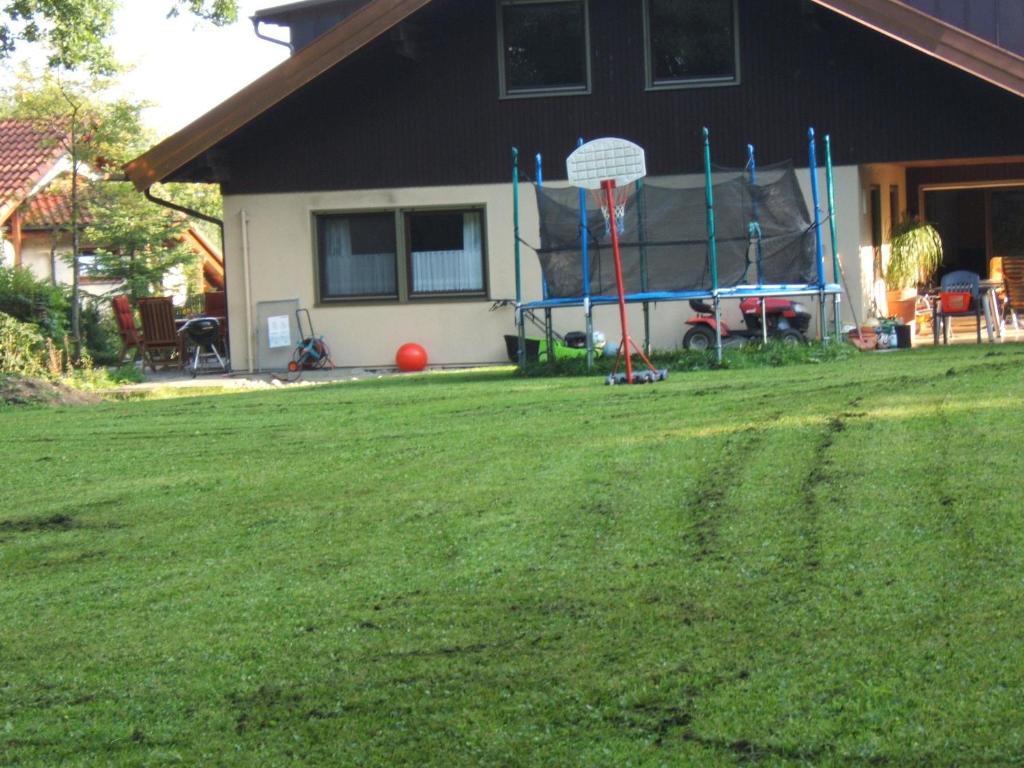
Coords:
pixel 915 254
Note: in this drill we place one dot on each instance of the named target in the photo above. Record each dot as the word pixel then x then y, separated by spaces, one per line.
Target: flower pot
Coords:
pixel 901 303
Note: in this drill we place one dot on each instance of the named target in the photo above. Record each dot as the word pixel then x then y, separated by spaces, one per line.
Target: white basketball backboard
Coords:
pixel 606 159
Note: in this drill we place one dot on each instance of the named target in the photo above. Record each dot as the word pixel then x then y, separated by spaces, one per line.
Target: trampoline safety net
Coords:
pixel 764 236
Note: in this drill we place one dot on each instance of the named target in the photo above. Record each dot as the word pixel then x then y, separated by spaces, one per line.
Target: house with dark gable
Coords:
pixel 368 176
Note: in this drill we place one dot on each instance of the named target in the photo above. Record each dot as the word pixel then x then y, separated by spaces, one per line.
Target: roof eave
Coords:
pixel 936 38
pixel 334 46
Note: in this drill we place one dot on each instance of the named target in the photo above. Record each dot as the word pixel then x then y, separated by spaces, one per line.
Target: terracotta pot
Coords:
pixel 902 303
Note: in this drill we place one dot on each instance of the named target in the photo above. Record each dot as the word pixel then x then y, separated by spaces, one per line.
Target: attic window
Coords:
pixel 543 47
pixel 690 43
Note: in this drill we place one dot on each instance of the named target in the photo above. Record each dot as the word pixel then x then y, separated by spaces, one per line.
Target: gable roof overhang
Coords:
pixel 337 44
pixel 281 13
pixel 30 157
pixel 936 38
pixel 892 18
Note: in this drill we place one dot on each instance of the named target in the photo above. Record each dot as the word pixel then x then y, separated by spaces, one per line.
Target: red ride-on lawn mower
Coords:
pixel 786 321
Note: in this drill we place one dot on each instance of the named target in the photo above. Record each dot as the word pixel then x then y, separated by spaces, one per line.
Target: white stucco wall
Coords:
pixel 884 177
pixel 281 266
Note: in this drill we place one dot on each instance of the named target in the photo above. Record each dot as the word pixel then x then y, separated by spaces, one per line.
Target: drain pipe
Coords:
pixel 256 21
pixel 248 289
pixel 188 212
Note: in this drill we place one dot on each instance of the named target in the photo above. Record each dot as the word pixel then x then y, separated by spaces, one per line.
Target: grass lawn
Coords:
pixel 819 565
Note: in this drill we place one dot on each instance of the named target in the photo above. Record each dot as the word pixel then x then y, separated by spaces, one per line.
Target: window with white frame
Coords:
pixel 401 255
pixel 446 252
pixel 544 47
pixel 690 43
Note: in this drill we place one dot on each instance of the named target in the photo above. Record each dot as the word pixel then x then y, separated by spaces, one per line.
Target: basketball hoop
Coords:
pixel 622 195
pixel 608 167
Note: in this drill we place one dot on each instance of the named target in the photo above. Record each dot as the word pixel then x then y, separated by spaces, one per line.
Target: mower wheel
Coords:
pixel 699 338
pixel 791 336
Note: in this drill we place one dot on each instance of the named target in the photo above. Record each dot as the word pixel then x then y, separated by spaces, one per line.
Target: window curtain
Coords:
pixel 445 271
pixel 354 274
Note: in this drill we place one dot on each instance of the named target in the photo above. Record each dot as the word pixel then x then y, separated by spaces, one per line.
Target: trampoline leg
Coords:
pixel 549 333
pixel 590 336
pixel 647 328
pixel 521 328
pixel 822 317
pixel 718 329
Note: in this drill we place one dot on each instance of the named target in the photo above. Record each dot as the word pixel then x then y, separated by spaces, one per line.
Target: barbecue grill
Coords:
pixel 202 334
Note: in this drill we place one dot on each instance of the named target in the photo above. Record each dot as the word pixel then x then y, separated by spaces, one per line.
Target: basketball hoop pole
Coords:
pixel 605 164
pixel 625 347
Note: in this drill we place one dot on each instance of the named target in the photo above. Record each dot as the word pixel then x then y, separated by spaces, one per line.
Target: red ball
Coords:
pixel 411 357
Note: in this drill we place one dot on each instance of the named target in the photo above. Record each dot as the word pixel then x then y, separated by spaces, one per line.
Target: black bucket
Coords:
pixel 903 337
pixel 512 348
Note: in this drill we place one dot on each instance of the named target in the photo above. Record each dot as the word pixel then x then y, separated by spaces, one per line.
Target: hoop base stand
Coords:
pixel 649 376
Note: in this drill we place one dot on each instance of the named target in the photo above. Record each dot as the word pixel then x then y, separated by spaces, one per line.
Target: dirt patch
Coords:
pixel 18 391
pixel 52 523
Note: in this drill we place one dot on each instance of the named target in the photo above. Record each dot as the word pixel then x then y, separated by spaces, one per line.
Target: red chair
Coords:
pixel 125 319
pixel 215 305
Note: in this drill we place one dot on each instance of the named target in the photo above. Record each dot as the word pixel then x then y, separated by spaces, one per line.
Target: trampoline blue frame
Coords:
pixel 715 293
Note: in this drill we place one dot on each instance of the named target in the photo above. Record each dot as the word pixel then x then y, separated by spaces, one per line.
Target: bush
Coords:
pixel 29 300
pixel 99 332
pixel 22 348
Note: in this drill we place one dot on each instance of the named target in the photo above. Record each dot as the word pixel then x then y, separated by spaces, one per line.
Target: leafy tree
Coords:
pixel 96 134
pixel 74 32
pixel 205 198
pixel 140 242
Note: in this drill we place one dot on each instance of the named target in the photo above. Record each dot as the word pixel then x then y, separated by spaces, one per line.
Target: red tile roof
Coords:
pixel 27 153
pixel 45 211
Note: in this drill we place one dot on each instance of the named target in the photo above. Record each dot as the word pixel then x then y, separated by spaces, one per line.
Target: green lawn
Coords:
pixel 804 566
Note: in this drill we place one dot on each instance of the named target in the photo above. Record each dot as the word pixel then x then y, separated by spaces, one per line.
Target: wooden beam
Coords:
pixel 16 237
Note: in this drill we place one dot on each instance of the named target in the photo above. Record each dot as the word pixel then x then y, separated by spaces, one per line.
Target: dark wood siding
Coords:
pixel 380 120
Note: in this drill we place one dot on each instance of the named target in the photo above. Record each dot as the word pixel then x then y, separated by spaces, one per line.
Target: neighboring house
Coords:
pixel 36 216
pixel 30 158
pixel 46 243
pixel 388 134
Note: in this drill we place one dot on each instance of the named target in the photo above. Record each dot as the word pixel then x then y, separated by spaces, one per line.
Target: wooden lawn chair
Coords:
pixel 1013 281
pixel 161 343
pixel 125 319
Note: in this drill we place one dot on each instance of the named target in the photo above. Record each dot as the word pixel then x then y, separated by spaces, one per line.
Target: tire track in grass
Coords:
pixel 770 596
pixel 819 477
pixel 710 499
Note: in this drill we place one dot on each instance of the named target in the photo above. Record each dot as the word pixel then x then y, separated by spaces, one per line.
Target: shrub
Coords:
pixel 22 348
pixel 99 332
pixel 29 300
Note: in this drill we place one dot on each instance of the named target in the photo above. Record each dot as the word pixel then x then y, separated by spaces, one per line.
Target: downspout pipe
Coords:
pixel 256 21
pixel 188 212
